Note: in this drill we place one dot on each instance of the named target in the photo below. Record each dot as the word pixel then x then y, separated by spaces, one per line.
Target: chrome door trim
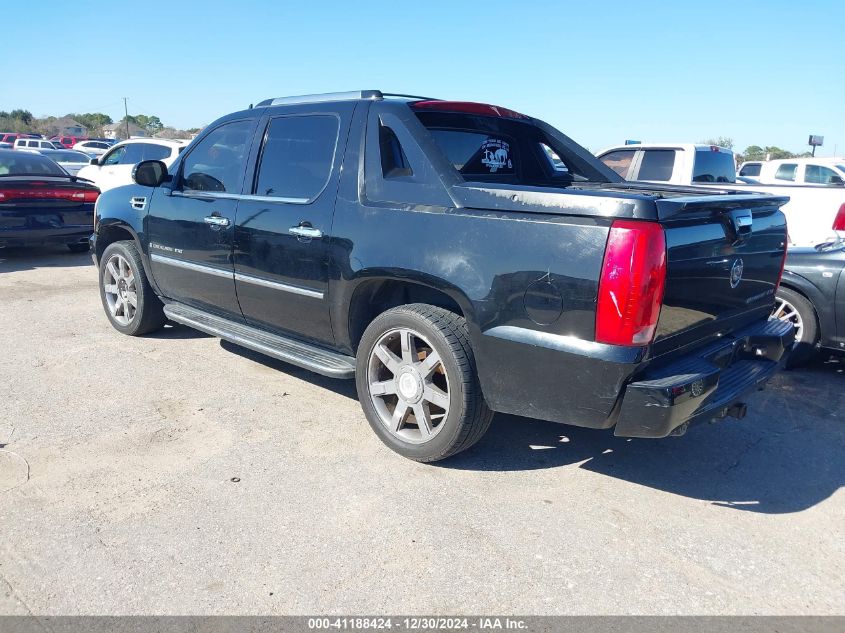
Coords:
pixel 275 285
pixel 180 263
pixel 222 195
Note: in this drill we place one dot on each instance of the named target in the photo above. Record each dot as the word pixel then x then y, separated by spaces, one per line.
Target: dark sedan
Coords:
pixel 40 203
pixel 812 297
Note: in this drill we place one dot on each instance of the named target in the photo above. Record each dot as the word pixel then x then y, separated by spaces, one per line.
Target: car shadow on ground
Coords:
pixel 786 456
pixel 18 259
pixel 175 331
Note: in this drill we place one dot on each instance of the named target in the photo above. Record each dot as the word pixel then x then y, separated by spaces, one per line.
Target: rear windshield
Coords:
pixel 24 164
pixel 713 166
pixel 504 150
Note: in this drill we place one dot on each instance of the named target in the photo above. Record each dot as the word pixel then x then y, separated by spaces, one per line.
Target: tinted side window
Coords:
pixel 619 161
pixel 132 155
pixel 750 170
pixel 394 163
pixel 816 174
pixel 657 164
pixel 786 172
pixel 154 152
pixel 217 162
pixel 297 156
pixel 113 158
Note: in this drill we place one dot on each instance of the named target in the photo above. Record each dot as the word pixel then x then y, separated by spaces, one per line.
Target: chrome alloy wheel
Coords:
pixel 408 385
pixel 119 288
pixel 785 311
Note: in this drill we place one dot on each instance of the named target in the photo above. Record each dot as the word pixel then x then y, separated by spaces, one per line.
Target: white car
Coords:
pixel 114 169
pixel 796 171
pixel 70 160
pixel 92 148
pixel 35 144
pixel 811 212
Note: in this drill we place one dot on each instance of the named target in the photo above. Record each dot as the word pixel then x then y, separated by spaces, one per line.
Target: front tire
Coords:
pixel 418 385
pixel 796 308
pixel 128 299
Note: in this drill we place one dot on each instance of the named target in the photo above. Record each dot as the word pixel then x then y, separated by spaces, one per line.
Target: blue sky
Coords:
pixel 766 73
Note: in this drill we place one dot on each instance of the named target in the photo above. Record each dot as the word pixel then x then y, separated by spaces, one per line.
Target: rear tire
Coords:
pixel 418 385
pixel 796 308
pixel 128 299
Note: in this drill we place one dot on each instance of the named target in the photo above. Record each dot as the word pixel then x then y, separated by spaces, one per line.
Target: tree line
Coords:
pixel 20 120
pixel 754 152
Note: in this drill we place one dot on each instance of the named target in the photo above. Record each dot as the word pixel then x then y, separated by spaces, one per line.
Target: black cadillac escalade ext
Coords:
pixel 456 259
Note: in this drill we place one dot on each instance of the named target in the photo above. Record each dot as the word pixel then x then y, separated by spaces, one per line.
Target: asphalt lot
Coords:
pixel 177 474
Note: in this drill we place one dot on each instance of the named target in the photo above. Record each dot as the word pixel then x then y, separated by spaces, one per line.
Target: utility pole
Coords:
pixel 126 119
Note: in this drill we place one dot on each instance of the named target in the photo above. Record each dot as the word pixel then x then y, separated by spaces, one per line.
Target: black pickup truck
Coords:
pixel 456 259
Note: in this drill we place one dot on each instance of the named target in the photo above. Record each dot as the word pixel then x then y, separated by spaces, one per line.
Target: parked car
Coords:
pixel 812 298
pixel 452 267
pixel 810 211
pixel 69 160
pixel 797 171
pixel 11 137
pixel 92 148
pixel 114 168
pixel 68 141
pixel 33 144
pixel 40 203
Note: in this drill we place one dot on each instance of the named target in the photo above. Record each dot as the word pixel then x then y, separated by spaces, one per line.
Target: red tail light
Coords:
pixel 468 107
pixel 839 222
pixel 633 277
pixel 48 193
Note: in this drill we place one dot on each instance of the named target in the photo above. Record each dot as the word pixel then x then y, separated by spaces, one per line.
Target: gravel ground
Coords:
pixel 177 474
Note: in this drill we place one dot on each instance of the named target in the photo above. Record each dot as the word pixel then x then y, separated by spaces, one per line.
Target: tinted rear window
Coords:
pixel 750 170
pixel 509 151
pixel 713 166
pixel 25 164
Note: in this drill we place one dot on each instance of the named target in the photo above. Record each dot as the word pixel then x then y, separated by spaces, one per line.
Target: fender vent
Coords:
pixel 138 202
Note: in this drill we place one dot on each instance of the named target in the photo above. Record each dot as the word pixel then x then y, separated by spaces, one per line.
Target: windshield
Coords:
pixel 714 166
pixel 20 164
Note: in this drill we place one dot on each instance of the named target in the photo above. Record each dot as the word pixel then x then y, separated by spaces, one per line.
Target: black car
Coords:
pixel 455 259
pixel 40 203
pixel 812 297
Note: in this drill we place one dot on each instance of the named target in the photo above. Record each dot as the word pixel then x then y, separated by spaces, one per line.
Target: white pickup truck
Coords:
pixel 796 171
pixel 812 210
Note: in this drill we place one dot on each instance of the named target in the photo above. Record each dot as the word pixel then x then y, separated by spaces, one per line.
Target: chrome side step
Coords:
pixel 298 353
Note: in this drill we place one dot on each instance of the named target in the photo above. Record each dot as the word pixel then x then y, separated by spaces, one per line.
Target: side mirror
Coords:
pixel 150 173
pixel 836 180
pixel 94 161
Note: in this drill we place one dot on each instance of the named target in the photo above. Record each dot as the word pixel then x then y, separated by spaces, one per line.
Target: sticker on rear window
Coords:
pixel 496 155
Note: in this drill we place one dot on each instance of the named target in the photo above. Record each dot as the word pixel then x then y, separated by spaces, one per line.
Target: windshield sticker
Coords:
pixel 496 155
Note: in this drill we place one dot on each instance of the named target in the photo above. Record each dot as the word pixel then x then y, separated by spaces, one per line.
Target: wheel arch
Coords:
pixel 372 295
pixel 111 231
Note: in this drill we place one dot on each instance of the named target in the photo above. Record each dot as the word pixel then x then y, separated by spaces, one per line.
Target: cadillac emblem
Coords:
pixel 736 273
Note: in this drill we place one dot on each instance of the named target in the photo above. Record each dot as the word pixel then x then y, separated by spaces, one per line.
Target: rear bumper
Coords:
pixel 36 237
pixel 711 384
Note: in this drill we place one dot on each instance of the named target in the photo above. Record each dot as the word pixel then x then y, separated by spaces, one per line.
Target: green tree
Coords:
pixel 23 115
pixel 722 141
pixel 151 123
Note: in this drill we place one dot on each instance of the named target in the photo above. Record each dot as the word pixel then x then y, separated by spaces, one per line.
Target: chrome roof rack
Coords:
pixel 373 95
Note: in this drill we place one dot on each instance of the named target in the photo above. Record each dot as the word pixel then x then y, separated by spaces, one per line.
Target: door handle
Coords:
pixel 305 231
pixel 216 220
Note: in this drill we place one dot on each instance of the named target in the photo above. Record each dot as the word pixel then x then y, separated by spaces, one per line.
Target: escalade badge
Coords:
pixel 736 273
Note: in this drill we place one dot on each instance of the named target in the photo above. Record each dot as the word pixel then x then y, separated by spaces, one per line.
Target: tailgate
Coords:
pixel 724 259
